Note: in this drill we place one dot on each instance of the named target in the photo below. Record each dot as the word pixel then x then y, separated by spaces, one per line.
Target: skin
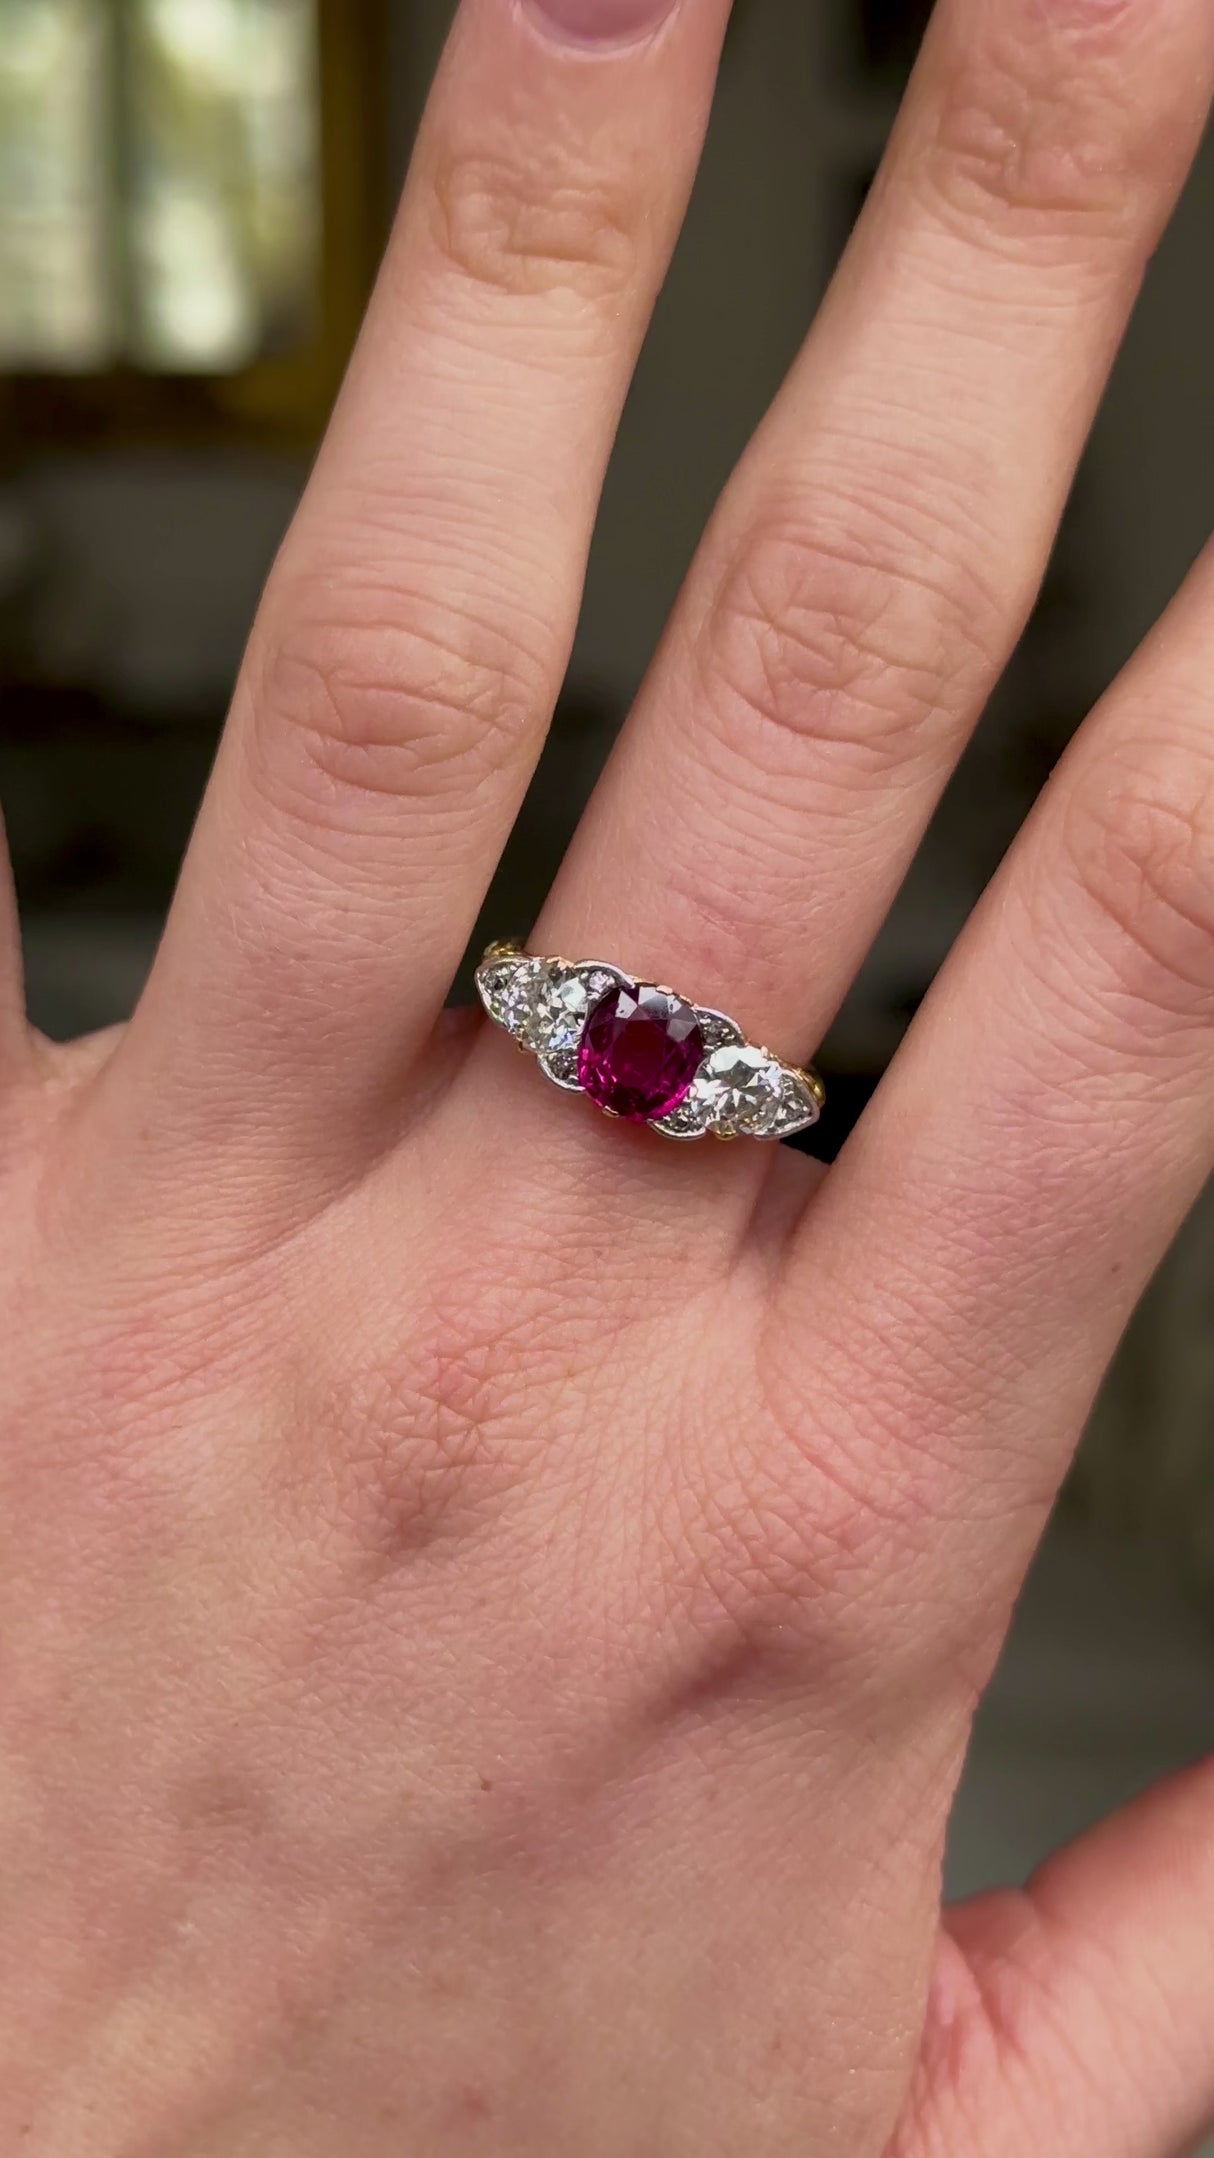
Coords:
pixel 492 1605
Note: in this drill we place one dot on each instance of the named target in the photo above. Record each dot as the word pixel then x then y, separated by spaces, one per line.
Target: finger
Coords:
pixel 16 1046
pixel 974 1255
pixel 874 558
pixel 1078 2016
pixel 415 631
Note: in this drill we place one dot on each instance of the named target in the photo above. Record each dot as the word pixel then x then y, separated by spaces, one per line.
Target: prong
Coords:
pixel 816 1086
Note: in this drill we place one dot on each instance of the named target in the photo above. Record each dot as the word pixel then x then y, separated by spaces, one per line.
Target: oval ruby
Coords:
pixel 640 1050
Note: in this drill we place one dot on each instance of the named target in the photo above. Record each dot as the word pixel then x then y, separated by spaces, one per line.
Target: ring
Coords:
pixel 642 1052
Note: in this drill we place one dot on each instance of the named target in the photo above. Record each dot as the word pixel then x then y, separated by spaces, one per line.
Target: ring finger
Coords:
pixel 874 557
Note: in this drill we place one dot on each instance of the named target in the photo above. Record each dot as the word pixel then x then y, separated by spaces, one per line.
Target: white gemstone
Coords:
pixel 745 1088
pixel 692 1119
pixel 509 989
pixel 717 1028
pixel 560 1065
pixel 561 1005
pixel 799 1107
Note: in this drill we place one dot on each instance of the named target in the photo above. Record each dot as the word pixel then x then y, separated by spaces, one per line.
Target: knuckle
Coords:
pixel 379 696
pixel 790 1544
pixel 508 226
pixel 850 639
pixel 424 1440
pixel 1138 836
pixel 792 1570
pixel 1037 134
pixel 824 1535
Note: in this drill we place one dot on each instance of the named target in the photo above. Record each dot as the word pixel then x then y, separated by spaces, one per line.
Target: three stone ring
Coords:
pixel 641 1052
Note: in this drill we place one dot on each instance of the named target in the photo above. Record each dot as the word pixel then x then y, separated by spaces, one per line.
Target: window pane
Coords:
pixel 222 105
pixel 58 302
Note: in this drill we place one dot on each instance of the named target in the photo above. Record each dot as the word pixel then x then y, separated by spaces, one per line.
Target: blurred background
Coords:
pixel 193 197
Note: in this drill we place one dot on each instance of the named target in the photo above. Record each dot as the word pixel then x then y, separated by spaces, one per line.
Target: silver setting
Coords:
pixel 740 1090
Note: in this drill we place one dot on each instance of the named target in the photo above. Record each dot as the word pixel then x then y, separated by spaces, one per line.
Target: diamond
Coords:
pixel 507 988
pixel 561 1068
pixel 717 1028
pixel 640 1051
pixel 799 1106
pixel 746 1089
pixel 560 1007
pixel 692 1119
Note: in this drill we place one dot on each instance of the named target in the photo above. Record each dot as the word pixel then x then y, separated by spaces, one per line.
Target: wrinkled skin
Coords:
pixel 492 1604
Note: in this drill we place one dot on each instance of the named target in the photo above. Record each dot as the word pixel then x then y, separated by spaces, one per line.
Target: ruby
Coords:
pixel 640 1050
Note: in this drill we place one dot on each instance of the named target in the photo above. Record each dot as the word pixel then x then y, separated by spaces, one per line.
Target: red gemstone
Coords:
pixel 641 1048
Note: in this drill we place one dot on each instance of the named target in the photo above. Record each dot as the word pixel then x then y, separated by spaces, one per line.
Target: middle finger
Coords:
pixel 415 630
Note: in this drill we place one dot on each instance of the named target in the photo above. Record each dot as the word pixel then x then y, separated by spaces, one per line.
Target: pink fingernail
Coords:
pixel 601 22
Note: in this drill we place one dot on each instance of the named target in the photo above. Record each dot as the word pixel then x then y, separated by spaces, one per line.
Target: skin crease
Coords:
pixel 492 1605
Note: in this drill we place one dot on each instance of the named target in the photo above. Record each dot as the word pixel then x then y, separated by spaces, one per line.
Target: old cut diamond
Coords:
pixel 509 989
pixel 561 1005
pixel 799 1106
pixel 745 1087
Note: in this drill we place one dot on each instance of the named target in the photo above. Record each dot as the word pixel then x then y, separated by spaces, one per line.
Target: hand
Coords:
pixel 493 1603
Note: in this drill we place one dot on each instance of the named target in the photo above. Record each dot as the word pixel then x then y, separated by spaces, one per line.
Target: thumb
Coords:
pixel 1075 2018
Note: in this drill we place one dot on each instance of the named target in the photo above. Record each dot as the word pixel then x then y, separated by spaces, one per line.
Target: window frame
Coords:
pixel 279 400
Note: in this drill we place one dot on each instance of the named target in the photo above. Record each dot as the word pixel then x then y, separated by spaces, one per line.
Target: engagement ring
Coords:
pixel 642 1052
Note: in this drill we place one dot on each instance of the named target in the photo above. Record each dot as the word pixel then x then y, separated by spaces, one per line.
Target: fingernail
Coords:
pixel 601 22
